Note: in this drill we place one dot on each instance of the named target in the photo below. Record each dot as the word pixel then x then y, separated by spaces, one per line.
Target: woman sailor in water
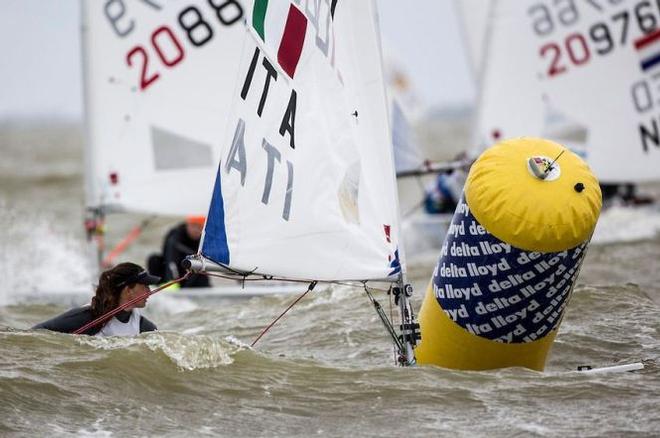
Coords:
pixel 117 286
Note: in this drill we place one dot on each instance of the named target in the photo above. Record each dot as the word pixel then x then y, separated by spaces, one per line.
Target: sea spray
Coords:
pixel 38 254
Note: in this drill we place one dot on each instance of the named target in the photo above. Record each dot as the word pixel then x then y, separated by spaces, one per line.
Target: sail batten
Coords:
pixel 305 188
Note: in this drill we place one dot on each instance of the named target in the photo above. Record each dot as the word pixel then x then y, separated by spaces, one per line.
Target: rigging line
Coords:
pixel 101 319
pixel 390 292
pixel 386 322
pixel 236 272
pixel 290 280
pixel 235 277
pixel 244 278
pixel 263 332
pixel 125 242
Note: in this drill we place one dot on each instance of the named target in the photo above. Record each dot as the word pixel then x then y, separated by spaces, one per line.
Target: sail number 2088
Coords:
pixel 601 38
pixel 165 44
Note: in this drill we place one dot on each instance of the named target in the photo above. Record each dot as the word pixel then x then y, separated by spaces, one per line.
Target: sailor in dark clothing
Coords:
pixel 180 242
pixel 117 286
pixel 445 192
pixel 623 194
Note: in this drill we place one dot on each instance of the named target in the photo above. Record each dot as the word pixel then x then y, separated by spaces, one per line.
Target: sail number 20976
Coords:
pixel 600 38
pixel 164 42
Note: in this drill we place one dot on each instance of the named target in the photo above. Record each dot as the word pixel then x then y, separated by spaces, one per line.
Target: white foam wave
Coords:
pixel 95 430
pixel 193 352
pixel 187 352
pixel 37 254
pixel 237 342
pixel 193 330
pixel 627 224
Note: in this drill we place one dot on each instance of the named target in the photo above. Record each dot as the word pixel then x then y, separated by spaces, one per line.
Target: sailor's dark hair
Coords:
pixel 111 283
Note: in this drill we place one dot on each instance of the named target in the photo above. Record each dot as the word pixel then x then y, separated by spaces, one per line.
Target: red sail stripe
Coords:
pixel 292 42
pixel 648 39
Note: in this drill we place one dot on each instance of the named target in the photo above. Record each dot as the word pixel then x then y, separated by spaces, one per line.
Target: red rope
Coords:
pixel 263 332
pixel 101 319
pixel 124 243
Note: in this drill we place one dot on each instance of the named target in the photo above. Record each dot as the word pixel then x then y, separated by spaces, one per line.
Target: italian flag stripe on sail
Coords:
pixel 282 27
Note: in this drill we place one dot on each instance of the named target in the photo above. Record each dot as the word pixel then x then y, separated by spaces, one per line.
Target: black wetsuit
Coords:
pixel 178 245
pixel 72 320
pixel 609 192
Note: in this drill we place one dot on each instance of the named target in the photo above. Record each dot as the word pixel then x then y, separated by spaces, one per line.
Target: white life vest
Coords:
pixel 115 327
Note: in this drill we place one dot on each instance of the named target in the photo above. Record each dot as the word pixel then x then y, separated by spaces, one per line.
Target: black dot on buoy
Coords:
pixel 579 187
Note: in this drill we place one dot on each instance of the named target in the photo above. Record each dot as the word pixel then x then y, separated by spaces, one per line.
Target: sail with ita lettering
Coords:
pixel 305 187
pixel 583 74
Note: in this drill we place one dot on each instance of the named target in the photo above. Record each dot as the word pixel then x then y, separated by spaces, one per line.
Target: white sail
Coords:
pixel 473 16
pixel 159 76
pixel 580 73
pixel 306 187
pixel 407 155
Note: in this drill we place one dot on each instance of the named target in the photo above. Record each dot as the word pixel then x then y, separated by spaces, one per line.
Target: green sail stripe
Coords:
pixel 259 16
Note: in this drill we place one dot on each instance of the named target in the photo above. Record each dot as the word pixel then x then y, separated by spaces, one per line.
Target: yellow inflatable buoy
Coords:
pixel 510 259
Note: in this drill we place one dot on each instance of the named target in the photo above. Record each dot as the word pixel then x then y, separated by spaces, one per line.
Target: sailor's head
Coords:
pixel 121 284
pixel 194 226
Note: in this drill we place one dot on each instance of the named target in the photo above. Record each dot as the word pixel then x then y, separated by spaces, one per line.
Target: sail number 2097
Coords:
pixel 600 39
pixel 167 46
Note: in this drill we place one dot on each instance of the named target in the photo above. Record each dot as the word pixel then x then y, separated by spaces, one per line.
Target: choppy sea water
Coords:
pixel 326 369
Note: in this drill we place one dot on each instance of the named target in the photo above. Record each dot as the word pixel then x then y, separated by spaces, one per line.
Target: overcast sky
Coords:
pixel 40 71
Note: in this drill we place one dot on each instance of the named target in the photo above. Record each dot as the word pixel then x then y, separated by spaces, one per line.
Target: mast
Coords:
pixel 474 18
pixel 480 72
pixel 94 213
pixel 405 290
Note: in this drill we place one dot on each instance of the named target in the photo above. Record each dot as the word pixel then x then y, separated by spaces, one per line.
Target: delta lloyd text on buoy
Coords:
pixel 510 259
